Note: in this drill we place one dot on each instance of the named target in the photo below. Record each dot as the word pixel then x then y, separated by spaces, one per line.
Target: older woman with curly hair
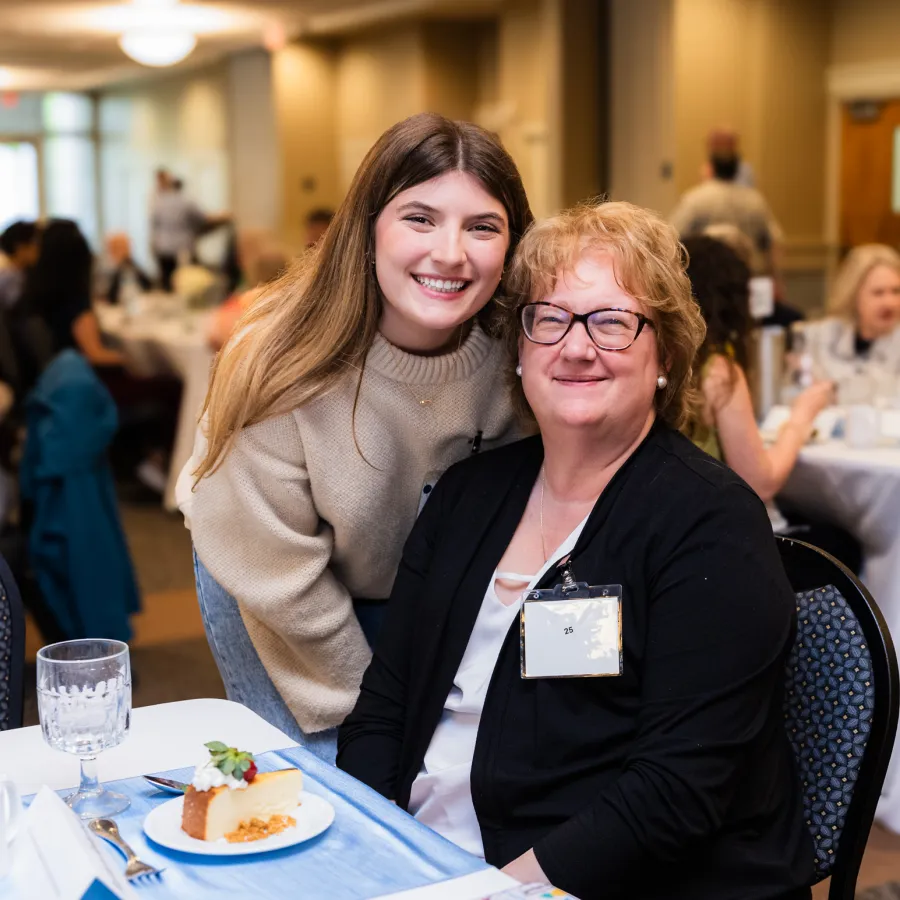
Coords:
pixel 671 776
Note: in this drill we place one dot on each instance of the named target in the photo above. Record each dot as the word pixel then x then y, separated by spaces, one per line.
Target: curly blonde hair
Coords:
pixel 854 270
pixel 649 263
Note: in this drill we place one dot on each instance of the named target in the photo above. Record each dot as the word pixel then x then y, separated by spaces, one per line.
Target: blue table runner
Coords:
pixel 372 847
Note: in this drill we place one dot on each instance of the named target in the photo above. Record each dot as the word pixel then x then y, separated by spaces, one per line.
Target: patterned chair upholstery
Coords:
pixel 12 650
pixel 828 708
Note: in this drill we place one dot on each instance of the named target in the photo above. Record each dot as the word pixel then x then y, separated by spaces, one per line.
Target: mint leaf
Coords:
pixel 216 747
pixel 227 767
pixel 243 765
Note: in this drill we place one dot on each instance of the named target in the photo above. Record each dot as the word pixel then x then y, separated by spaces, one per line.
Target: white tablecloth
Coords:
pixel 159 340
pixel 171 735
pixel 860 491
pixel 161 737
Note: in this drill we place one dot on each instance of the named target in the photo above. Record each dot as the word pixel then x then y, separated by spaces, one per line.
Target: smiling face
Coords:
pixel 439 253
pixel 878 302
pixel 574 383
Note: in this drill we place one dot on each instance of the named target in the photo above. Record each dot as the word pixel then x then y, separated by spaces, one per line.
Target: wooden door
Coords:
pixel 870 166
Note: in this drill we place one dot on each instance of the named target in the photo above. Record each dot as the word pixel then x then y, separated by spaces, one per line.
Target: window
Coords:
pixel 19 193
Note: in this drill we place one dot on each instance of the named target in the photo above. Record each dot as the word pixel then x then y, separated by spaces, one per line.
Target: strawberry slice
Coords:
pixel 250 774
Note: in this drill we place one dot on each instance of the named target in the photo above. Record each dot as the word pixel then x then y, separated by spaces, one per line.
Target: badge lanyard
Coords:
pixel 572 630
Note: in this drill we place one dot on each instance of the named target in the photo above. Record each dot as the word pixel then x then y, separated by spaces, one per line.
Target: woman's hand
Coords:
pixel 526 869
pixel 812 401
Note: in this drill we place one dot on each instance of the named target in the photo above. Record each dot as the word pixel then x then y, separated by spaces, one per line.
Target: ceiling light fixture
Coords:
pixel 157 46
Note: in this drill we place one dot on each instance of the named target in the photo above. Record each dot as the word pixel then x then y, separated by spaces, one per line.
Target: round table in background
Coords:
pixel 162 340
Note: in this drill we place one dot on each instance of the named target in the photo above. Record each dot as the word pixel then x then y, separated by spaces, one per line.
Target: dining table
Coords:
pixel 161 335
pixel 372 849
pixel 858 488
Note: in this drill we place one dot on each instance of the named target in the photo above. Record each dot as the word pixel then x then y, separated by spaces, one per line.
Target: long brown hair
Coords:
pixel 319 320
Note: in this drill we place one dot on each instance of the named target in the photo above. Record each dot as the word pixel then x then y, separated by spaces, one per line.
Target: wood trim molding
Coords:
pixel 864 81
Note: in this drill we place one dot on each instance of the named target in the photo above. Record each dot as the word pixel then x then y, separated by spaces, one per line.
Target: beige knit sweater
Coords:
pixel 295 522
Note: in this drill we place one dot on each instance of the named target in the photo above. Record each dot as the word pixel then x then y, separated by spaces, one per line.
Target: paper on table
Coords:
pixel 475 886
pixel 54 857
pixel 890 423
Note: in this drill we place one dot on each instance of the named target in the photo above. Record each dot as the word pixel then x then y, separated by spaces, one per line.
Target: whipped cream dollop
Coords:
pixel 208 776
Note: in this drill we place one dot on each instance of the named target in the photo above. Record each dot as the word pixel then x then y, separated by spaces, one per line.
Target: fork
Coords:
pixel 135 869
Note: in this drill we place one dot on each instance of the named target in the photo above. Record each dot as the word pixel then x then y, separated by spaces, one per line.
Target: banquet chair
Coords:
pixel 840 707
pixel 12 650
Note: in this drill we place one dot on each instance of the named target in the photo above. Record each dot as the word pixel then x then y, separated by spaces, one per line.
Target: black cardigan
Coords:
pixel 674 780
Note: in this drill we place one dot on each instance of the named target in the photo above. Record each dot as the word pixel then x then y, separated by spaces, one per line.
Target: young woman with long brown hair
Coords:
pixel 347 390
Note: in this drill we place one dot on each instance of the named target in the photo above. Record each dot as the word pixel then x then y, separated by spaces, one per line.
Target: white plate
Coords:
pixel 163 825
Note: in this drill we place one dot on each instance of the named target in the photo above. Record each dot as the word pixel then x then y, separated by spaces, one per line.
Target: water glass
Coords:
pixel 84 702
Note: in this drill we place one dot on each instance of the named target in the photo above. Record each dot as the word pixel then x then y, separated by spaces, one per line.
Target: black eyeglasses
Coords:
pixel 610 328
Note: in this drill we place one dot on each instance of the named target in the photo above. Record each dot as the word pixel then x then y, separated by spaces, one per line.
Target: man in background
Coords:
pixel 19 244
pixel 722 200
pixel 175 224
pixel 117 270
pixel 726 142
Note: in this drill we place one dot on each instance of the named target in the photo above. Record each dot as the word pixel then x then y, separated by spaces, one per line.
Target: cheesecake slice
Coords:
pixel 212 814
pixel 229 798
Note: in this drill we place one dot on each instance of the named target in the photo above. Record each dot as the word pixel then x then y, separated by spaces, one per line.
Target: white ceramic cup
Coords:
pixel 863 425
pixel 10 814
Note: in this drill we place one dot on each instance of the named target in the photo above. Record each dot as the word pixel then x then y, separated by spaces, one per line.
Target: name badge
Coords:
pixel 572 631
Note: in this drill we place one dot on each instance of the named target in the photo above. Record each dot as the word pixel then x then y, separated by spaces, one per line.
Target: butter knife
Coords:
pixel 166 784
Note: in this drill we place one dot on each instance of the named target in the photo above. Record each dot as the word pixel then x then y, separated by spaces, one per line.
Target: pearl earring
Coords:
pixel 661 382
pixel 519 370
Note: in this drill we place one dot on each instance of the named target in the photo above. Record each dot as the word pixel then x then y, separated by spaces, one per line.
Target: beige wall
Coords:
pixel 457 67
pixel 255 162
pixel 528 97
pixel 864 31
pixel 759 66
pixel 581 100
pixel 642 104
pixel 333 101
pixel 304 87
pixel 380 80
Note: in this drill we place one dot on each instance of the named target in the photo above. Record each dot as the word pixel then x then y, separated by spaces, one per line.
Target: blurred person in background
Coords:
pixel 19 244
pixel 860 336
pixel 175 224
pixel 317 223
pixel 118 271
pixel 348 388
pixel 721 200
pixel 268 263
pixel 726 426
pixel 782 314
pixel 725 142
pixel 58 294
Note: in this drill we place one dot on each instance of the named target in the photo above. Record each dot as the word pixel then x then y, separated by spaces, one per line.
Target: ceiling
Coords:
pixel 72 44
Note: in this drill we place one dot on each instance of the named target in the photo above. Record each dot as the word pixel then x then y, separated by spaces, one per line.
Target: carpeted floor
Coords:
pixel 884 892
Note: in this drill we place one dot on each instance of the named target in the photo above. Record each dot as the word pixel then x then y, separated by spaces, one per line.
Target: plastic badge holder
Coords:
pixel 573 630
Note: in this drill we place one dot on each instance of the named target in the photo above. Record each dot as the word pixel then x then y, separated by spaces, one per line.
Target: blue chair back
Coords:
pixel 12 650
pixel 840 707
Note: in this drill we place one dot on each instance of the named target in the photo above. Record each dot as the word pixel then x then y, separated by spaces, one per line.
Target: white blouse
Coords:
pixel 441 795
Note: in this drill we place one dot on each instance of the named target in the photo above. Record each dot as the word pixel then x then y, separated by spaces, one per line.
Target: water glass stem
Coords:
pixel 89 781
